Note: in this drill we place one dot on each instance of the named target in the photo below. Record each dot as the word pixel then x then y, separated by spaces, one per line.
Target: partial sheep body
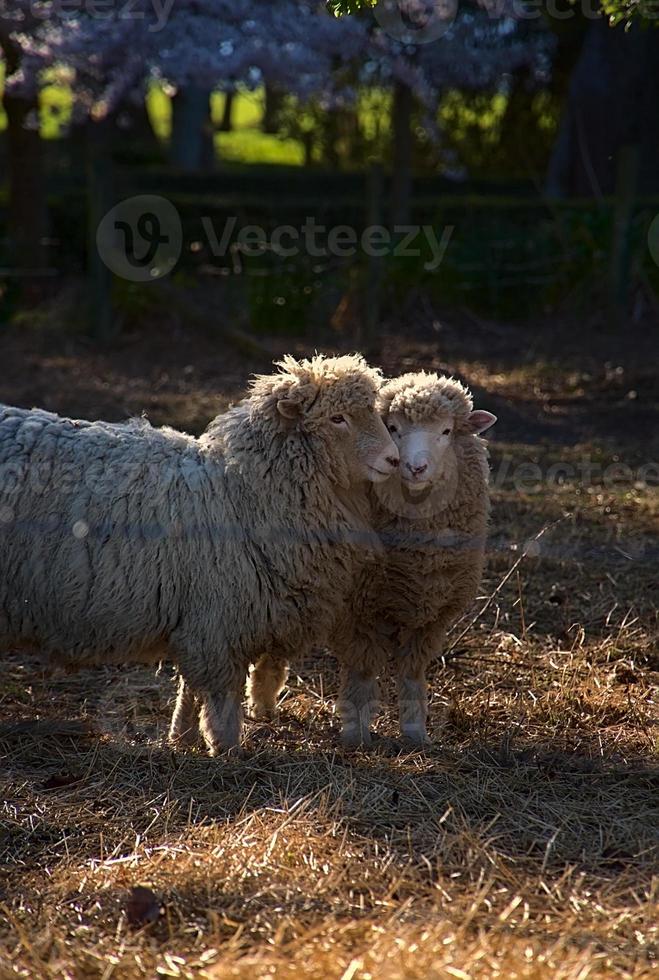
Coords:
pixel 126 543
pixel 434 540
pixel 94 517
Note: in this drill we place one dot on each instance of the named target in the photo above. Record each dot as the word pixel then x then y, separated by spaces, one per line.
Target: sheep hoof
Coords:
pixel 180 741
pixel 259 712
pixel 414 741
pixel 356 740
pixel 226 752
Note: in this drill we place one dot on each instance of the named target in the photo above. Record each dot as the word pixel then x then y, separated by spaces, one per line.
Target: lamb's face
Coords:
pixel 426 449
pixel 427 446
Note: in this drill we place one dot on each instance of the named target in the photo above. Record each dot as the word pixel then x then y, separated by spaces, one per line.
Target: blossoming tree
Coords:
pixel 112 50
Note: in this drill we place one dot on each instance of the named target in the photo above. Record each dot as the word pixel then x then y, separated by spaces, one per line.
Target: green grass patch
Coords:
pixel 244 144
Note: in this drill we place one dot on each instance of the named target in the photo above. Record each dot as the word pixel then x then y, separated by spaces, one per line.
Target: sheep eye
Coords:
pixel 446 432
pixel 392 428
pixel 337 419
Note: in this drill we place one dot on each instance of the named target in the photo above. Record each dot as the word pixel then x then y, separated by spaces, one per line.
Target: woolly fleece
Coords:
pixel 124 543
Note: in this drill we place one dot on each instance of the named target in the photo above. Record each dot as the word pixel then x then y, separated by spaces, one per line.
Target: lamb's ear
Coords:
pixel 297 400
pixel 480 421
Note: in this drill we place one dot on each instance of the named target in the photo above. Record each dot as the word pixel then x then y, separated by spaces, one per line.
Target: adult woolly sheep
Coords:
pixel 432 519
pixel 124 543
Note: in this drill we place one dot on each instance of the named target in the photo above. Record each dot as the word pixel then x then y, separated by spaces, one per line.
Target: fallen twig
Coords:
pixel 452 653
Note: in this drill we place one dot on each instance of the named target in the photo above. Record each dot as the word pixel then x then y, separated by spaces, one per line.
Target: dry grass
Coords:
pixel 523 844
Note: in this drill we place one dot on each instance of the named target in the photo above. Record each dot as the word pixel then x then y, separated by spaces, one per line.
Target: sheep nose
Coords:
pixel 417 470
pixel 393 461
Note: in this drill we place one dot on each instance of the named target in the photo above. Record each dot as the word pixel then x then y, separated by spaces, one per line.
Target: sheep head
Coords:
pixel 330 402
pixel 425 415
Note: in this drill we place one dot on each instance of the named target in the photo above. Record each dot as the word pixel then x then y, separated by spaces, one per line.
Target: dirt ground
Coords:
pixel 522 844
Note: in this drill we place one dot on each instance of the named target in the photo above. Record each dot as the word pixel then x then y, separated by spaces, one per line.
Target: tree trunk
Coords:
pixel 308 143
pixel 226 124
pixel 99 201
pixel 127 130
pixel 28 220
pixel 401 187
pixel 191 145
pixel 134 138
pixel 273 103
pixel 523 146
pixel 619 259
pixel 371 319
pixel 612 99
pixel 330 126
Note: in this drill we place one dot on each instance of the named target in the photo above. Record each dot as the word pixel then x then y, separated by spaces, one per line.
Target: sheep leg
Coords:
pixel 264 684
pixel 184 728
pixel 413 702
pixel 357 703
pixel 221 717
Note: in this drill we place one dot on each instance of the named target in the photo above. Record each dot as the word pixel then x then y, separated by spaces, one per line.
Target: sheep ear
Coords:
pixel 480 421
pixel 298 399
pixel 289 408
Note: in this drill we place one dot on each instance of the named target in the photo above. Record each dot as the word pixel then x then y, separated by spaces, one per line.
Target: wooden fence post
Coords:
pixel 99 201
pixel 27 206
pixel 623 211
pixel 374 198
pixel 403 148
